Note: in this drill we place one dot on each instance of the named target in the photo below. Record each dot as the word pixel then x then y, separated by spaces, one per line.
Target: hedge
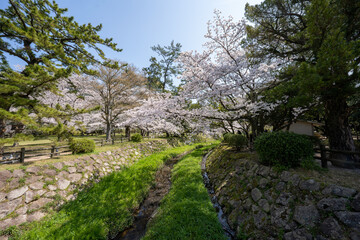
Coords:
pixel 284 149
pixel 82 145
pixel 136 137
pixel 235 140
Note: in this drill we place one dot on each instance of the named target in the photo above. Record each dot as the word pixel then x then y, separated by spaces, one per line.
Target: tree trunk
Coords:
pixel 254 126
pixel 338 131
pixel 108 132
pixel 127 132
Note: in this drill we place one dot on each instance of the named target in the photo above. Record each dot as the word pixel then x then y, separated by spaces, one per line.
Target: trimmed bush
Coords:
pixel 82 145
pixel 283 149
pixel 235 140
pixel 136 137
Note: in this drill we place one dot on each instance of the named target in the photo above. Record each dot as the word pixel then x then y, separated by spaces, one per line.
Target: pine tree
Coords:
pixel 159 72
pixel 51 46
pixel 320 42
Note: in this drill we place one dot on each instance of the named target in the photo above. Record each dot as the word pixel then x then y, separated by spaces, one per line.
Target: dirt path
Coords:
pixel 149 206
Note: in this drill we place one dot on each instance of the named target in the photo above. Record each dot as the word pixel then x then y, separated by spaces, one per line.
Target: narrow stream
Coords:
pixel 221 216
pixel 148 208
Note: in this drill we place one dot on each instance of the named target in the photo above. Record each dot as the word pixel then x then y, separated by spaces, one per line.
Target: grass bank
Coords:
pixel 186 212
pixel 104 209
pixel 63 158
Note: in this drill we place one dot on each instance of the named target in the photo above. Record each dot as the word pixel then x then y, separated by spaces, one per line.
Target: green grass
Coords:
pixel 49 141
pixel 186 212
pixel 104 208
pixel 98 149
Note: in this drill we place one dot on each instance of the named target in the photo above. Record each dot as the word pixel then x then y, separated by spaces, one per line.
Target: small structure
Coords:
pixel 302 127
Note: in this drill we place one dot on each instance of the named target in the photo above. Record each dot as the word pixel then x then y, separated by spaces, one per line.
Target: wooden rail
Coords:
pixel 50 152
pixel 324 158
pixel 20 156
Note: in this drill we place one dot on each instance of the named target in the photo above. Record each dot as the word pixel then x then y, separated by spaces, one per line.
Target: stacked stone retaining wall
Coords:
pixel 27 194
pixel 261 203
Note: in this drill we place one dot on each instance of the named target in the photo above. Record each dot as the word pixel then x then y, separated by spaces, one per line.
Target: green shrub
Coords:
pixel 82 145
pixel 199 138
pixel 235 140
pixel 284 149
pixel 174 141
pixel 136 137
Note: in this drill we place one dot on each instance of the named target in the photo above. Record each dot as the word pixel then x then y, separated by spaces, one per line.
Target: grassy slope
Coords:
pixel 106 207
pixel 50 140
pixel 186 212
pixel 69 157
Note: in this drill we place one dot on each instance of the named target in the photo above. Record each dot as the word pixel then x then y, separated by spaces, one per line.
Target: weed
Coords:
pixel 314 231
pixel 11 231
pixel 280 234
pixel 348 206
pixel 57 198
pixel 30 211
pixel 47 183
pixel 65 168
pixel 36 197
pixel 22 181
pixel 50 206
pixel 241 233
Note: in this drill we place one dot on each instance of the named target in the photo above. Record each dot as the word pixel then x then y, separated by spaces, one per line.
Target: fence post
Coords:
pixel 323 156
pixel 52 151
pixel 102 143
pixel 112 141
pixel 22 155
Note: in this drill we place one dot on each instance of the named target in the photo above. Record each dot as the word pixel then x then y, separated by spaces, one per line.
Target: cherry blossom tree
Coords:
pixel 154 115
pixel 71 106
pixel 223 88
pixel 165 113
pixel 224 81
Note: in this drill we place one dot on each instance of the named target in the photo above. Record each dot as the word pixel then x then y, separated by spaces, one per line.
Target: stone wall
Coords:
pixel 263 204
pixel 28 193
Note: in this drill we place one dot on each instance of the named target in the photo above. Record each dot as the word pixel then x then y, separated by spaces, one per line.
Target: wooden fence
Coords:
pixel 325 157
pixel 46 152
pixel 20 156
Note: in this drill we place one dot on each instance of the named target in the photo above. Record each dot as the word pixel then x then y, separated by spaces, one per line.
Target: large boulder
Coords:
pixel 306 215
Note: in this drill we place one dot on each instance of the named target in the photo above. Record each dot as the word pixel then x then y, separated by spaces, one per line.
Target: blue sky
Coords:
pixel 136 25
